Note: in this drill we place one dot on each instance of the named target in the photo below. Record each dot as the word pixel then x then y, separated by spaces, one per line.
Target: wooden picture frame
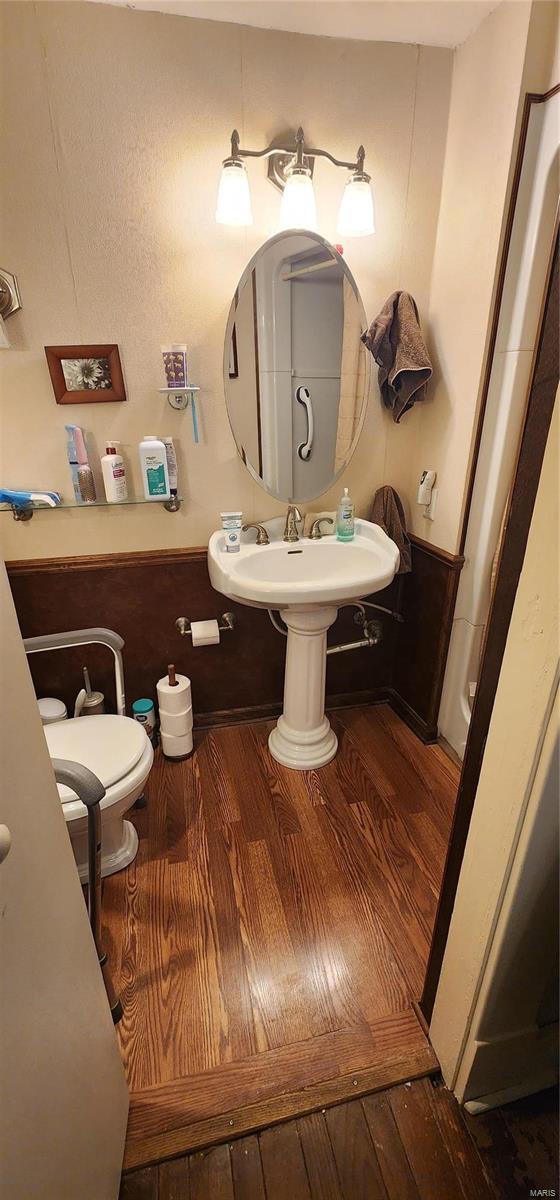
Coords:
pixel 99 367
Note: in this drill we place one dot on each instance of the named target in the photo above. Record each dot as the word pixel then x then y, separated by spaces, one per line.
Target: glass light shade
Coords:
pixel 234 197
pixel 355 218
pixel 298 209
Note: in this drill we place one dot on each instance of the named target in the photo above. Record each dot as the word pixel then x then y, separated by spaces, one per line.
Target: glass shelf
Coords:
pixel 25 512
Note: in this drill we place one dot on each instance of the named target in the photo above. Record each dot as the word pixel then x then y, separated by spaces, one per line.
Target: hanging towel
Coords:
pixel 396 342
pixel 388 512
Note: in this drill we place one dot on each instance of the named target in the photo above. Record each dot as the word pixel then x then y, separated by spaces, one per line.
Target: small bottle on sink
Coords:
pixel 231 525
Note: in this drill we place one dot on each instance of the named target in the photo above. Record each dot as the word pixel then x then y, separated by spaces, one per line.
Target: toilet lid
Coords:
pixel 110 746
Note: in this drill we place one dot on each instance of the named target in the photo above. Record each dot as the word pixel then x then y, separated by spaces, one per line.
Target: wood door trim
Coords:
pixel 530 99
pixel 188 1113
pixel 542 395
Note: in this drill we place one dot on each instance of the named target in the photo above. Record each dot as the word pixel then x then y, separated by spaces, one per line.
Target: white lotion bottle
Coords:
pixel 114 474
pixel 153 464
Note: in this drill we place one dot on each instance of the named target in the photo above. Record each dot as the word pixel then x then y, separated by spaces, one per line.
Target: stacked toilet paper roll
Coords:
pixel 175 714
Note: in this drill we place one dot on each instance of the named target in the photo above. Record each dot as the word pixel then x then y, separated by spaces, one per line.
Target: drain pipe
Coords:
pixel 374 635
pixel 363 604
pixel 276 623
pixel 373 630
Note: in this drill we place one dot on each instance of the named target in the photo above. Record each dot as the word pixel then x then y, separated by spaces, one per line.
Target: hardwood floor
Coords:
pixel 408 1143
pixel 271 935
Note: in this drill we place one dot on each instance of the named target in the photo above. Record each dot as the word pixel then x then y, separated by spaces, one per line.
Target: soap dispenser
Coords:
pixel 345 518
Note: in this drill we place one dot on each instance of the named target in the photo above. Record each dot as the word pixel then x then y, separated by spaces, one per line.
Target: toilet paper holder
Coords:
pixel 226 621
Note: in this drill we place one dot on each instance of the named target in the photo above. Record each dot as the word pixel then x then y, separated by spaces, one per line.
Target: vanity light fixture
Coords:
pixel 291 170
pixel 355 217
pixel 234 197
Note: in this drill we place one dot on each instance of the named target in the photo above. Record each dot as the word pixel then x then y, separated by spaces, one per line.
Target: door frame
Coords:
pixel 540 405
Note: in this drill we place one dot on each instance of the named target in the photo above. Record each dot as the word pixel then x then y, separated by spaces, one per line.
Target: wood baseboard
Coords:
pixel 426 731
pixel 268 712
pixel 381 695
pixel 241 1097
pixel 450 752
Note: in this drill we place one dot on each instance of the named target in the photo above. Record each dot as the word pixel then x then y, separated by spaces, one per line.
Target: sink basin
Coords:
pixel 307 580
pixel 307 572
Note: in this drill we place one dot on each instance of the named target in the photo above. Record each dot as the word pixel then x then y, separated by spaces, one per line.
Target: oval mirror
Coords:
pixel 296 374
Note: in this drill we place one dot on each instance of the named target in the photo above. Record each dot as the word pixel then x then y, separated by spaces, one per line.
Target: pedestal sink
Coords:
pixel 307 581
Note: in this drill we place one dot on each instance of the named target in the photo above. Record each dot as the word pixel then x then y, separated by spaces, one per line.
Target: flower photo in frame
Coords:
pixel 85 374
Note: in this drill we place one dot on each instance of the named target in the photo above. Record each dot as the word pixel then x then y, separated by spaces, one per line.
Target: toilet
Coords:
pixel 117 750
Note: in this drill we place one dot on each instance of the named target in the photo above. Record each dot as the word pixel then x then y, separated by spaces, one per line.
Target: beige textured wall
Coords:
pixel 114 125
pixel 484 109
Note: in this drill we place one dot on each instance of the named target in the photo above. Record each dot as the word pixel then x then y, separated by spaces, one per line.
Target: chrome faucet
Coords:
pixel 290 529
pixel 262 534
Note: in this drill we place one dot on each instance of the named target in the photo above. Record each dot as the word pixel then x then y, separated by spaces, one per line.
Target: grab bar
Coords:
pixel 85 637
pixel 303 396
pixel 89 789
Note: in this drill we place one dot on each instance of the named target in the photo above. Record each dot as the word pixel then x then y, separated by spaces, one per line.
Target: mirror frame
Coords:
pixel 321 241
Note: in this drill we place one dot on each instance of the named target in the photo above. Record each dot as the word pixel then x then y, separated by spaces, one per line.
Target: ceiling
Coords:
pixel 428 22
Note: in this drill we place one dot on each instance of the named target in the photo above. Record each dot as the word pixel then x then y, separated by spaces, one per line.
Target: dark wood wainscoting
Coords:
pixel 141 594
pixel 427 604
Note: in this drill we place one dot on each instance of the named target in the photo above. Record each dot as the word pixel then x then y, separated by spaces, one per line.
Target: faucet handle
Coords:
pixel 262 534
pixel 315 531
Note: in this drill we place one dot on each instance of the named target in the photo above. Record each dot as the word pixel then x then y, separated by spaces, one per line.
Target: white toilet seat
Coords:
pixel 116 749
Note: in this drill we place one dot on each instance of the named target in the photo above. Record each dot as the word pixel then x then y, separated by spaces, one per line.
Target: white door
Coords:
pixel 493 1026
pixel 317 320
pixel 63 1095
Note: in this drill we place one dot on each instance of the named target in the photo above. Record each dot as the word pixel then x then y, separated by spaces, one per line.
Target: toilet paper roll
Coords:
pixel 205 633
pixel 174 699
pixel 176 724
pixel 176 747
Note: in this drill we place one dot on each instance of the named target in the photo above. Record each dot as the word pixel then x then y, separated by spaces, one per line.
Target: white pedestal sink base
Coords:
pixel 306 583
pixel 303 738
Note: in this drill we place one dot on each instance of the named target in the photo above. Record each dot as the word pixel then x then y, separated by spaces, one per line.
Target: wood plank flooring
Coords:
pixel 408 1143
pixel 271 935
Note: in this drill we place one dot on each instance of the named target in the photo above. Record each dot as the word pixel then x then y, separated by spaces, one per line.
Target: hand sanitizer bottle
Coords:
pixel 345 518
